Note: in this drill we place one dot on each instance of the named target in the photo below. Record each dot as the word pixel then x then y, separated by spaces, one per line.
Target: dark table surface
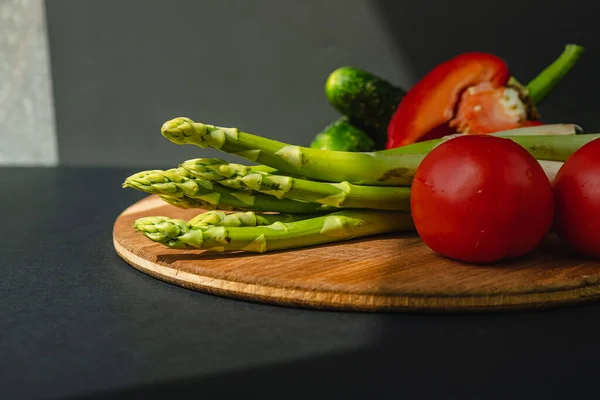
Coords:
pixel 78 322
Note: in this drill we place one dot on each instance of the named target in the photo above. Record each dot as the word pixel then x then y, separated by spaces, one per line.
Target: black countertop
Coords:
pixel 78 322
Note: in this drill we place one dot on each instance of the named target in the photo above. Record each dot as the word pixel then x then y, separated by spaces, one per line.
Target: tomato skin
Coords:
pixel 577 200
pixel 481 199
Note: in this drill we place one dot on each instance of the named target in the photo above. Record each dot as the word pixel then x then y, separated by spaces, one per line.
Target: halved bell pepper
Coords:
pixel 472 93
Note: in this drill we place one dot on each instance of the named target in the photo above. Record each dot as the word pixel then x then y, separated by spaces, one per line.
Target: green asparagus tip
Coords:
pixel 183 130
pixel 174 233
pixel 171 227
pixel 162 230
pixel 138 180
pixel 130 183
pixel 179 129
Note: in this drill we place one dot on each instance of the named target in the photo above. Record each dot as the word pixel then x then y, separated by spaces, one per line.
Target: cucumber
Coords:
pixel 366 99
pixel 341 135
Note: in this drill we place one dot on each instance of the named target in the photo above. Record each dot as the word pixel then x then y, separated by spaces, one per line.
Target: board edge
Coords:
pixel 340 301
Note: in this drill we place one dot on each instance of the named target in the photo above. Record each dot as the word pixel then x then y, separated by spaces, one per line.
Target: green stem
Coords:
pixel 547 80
pixel 339 195
pixel 334 227
pixel 195 192
pixel 554 148
pixel 395 167
pixel 542 147
pixel 540 131
pixel 334 166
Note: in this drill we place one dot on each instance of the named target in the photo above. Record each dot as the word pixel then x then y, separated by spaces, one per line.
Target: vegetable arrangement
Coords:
pixel 471 93
pixel 461 158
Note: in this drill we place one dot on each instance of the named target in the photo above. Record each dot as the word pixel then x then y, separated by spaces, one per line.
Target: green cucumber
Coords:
pixel 366 99
pixel 341 135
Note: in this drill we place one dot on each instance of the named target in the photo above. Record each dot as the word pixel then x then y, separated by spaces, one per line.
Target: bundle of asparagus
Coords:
pixel 298 196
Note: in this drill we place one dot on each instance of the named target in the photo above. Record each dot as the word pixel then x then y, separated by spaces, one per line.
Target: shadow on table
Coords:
pixel 419 356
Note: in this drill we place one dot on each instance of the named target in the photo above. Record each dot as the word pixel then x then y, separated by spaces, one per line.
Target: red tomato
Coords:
pixel 481 199
pixel 577 200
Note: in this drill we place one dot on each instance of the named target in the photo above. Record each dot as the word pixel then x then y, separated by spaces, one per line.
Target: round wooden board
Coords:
pixel 383 273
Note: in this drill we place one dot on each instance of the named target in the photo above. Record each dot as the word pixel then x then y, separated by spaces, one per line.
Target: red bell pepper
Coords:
pixel 472 93
pixel 429 109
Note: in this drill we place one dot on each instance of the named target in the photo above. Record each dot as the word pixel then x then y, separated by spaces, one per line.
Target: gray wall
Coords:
pixel 122 67
pixel 27 135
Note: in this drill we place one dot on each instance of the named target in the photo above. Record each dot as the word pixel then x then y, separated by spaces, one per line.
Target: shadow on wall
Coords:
pixel 527 34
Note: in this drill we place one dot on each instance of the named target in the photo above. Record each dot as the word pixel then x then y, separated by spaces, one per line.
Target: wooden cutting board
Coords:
pixel 383 273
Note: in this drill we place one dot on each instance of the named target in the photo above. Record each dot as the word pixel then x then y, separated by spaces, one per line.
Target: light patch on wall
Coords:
pixel 404 75
pixel 27 126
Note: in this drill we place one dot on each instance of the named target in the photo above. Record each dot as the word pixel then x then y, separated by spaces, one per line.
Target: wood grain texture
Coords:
pixel 383 273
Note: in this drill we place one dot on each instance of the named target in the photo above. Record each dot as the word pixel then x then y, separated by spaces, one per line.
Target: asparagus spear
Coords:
pixel 334 227
pixel 394 167
pixel 178 187
pixel 162 228
pixel 339 195
pixel 334 166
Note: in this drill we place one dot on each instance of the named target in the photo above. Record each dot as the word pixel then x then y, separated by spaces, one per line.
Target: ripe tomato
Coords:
pixel 577 200
pixel 481 199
